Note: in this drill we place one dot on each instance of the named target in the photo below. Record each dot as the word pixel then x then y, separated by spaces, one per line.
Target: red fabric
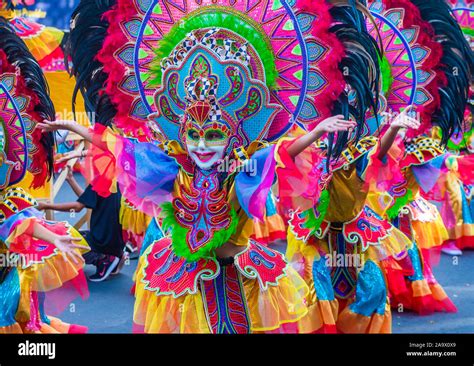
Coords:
pixel 466 169
pixel 329 64
pixel 300 180
pixel 387 173
pixel 114 41
pixel 100 164
pixel 57 301
pixel 77 329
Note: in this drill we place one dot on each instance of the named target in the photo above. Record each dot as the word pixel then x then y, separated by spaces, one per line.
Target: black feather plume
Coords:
pixel 88 31
pixel 360 67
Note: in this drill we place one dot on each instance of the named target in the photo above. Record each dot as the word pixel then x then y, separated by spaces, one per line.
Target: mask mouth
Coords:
pixel 204 157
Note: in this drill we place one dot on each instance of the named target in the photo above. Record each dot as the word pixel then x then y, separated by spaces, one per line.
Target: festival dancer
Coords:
pixel 417 164
pixel 118 85
pixel 224 282
pixel 43 258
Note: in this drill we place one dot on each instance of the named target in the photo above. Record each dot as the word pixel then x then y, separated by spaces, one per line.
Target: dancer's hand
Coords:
pixel 334 124
pixel 68 156
pixel 66 244
pixel 331 124
pixel 403 120
pixel 51 126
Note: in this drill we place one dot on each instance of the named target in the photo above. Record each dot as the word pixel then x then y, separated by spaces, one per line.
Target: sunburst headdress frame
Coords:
pixel 214 78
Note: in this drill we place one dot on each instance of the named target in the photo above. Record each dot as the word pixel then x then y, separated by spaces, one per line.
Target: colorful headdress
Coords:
pixel 456 68
pixel 214 77
pixel 24 101
pixel 313 55
pixel 409 62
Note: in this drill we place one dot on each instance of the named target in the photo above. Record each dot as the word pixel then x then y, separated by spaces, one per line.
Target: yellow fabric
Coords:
pixel 43 44
pixel 26 278
pixel 11 329
pixel 268 310
pixel 430 234
pixel 438 292
pixel 271 224
pixel 346 195
pixel 350 322
pixel 132 219
pixel 43 192
pixel 453 189
pixel 420 288
pixel 61 88
pixel 378 201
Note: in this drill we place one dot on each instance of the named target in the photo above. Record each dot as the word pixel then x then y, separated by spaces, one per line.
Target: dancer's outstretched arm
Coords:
pixel 50 126
pixel 329 125
pixel 403 120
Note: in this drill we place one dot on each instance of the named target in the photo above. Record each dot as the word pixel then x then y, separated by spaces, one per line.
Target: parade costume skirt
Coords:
pixel 352 296
pixel 413 286
pixel 134 224
pixel 242 295
pixel 427 226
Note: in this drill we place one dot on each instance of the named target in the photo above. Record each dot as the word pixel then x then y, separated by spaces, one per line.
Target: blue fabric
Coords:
pixel 371 291
pixel 466 210
pixel 41 300
pixel 427 174
pixel 9 298
pixel 155 169
pixel 152 234
pixel 361 165
pixel 253 187
pixel 270 206
pixel 415 259
pixel 322 280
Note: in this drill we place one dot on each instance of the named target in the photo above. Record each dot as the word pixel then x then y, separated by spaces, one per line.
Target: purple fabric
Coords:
pixel 428 174
pixel 147 175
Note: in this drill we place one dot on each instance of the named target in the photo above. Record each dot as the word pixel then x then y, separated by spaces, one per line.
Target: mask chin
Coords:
pixel 206 157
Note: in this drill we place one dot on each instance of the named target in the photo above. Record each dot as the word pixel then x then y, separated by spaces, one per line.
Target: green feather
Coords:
pixel 401 201
pixel 468 31
pixel 387 77
pixel 179 233
pixel 217 19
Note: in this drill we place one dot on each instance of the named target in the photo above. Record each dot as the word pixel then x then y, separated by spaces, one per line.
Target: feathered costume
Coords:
pixel 248 71
pixel 347 242
pixel 416 63
pixel 458 68
pixel 34 268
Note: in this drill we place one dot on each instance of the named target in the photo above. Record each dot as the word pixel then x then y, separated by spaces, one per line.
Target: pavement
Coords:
pixel 109 307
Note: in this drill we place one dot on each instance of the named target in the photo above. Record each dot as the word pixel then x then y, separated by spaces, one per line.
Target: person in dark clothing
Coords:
pixel 105 234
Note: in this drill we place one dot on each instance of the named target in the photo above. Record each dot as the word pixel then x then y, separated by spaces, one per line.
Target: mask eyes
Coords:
pixel 214 136
pixel 193 135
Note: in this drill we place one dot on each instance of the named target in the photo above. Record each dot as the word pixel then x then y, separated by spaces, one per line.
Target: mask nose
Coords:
pixel 202 144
